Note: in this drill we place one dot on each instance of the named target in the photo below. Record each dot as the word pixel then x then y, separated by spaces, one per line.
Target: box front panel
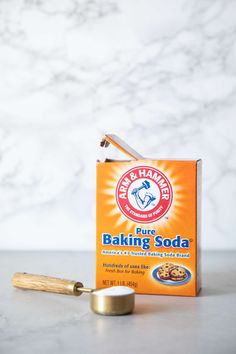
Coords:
pixel 146 226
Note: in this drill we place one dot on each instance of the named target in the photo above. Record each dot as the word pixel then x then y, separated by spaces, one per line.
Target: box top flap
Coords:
pixel 120 145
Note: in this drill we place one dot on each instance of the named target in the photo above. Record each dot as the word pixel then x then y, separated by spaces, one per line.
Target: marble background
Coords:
pixel 159 73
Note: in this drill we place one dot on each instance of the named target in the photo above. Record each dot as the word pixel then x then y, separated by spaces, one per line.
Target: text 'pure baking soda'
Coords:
pixel 148 223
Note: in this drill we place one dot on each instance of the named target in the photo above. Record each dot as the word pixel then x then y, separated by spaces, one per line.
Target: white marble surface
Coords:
pixel 160 73
pixel 36 322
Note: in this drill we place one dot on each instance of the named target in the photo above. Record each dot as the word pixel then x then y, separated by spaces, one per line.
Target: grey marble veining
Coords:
pixel 36 322
pixel 162 74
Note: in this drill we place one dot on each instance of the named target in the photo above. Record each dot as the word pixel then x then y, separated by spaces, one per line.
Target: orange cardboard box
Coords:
pixel 148 223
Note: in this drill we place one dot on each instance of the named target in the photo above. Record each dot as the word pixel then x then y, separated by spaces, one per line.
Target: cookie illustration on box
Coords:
pixel 163 274
pixel 172 274
pixel 177 273
pixel 167 266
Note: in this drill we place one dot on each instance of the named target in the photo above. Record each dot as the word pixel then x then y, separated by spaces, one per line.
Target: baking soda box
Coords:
pixel 148 223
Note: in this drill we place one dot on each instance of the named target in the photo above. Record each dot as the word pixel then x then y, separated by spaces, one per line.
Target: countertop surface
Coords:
pixel 36 322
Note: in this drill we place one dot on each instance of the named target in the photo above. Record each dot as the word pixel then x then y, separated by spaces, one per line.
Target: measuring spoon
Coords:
pixel 116 300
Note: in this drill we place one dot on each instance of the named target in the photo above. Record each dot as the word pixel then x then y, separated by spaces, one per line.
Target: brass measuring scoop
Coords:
pixel 116 300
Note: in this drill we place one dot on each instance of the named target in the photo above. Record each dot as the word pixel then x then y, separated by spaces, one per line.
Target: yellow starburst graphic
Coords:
pixel 177 209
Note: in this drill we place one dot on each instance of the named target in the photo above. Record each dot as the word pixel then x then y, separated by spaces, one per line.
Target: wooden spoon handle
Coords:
pixel 45 283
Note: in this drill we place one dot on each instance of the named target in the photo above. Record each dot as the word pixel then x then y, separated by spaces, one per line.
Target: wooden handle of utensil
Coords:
pixel 45 283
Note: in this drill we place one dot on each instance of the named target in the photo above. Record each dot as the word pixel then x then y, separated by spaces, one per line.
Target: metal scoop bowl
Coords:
pixel 117 300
